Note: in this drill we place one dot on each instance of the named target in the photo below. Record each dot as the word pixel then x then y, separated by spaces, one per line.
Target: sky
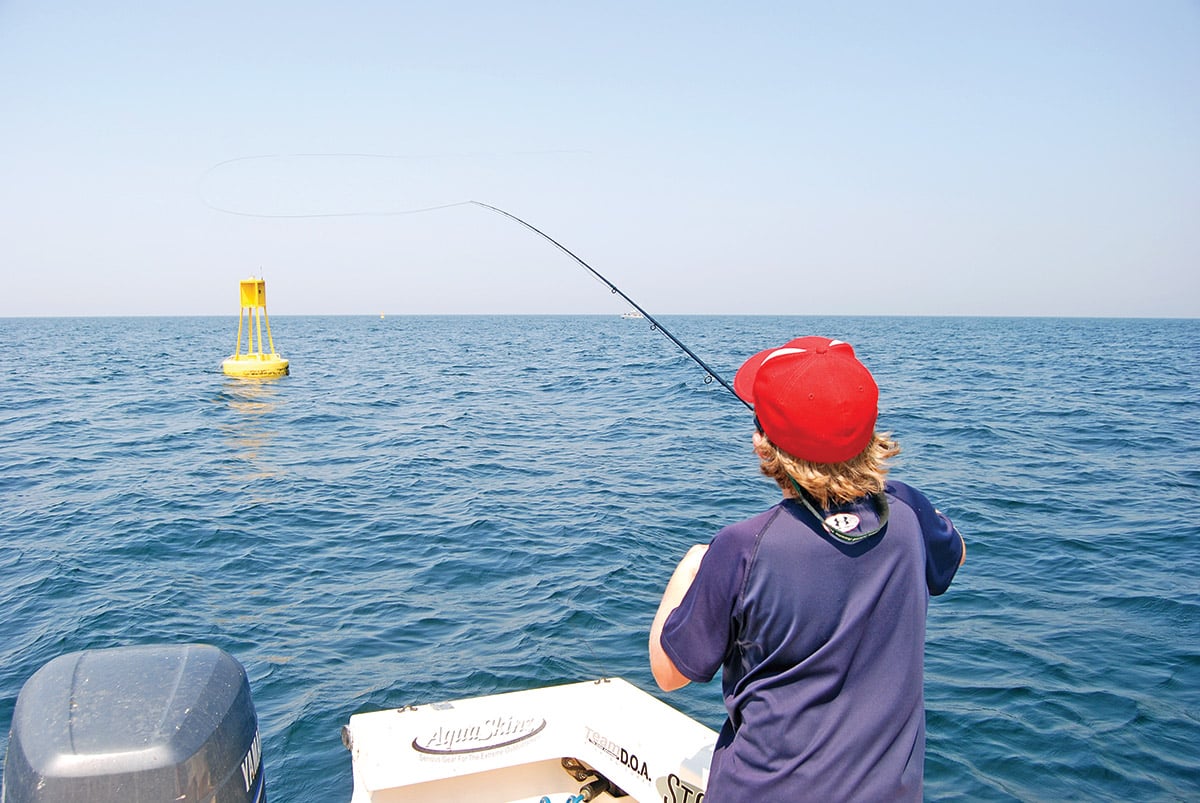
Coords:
pixel 976 157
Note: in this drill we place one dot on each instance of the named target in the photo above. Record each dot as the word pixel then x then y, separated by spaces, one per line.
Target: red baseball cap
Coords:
pixel 812 398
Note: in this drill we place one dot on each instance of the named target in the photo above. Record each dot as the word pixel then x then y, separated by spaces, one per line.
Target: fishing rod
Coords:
pixel 710 373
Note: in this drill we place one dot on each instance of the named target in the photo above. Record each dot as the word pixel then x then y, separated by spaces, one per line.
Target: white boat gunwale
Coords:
pixel 511 746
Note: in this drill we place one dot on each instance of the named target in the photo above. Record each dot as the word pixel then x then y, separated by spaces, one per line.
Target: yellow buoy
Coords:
pixel 254 363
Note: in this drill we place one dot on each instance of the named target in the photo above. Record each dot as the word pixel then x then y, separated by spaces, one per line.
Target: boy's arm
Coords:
pixel 662 667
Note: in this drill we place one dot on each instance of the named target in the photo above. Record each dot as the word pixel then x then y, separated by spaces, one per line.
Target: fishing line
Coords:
pixel 710 374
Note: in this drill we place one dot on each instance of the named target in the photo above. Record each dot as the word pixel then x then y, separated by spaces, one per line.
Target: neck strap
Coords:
pixel 881 505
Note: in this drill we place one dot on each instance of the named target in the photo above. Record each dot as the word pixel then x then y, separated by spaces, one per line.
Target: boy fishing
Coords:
pixel 814 609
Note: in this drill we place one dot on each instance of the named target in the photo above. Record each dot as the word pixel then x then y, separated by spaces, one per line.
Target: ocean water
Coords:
pixel 435 507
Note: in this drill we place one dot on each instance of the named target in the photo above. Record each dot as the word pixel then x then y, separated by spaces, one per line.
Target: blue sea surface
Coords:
pixel 436 507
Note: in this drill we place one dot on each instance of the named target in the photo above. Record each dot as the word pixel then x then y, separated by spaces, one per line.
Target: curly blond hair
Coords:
pixel 829 484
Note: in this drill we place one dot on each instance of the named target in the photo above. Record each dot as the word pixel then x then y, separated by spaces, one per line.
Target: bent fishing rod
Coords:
pixel 710 373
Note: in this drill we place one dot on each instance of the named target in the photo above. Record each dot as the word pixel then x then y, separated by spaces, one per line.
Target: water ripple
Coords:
pixel 430 508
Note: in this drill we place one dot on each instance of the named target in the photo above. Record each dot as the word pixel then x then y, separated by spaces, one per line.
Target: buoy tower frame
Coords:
pixel 254 362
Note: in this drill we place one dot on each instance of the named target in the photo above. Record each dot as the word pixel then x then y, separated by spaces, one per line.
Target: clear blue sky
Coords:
pixel 987 157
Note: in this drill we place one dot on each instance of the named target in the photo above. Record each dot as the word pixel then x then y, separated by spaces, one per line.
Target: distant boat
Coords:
pixel 632 315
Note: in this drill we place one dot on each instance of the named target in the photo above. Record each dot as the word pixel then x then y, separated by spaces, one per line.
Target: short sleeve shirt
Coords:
pixel 821 644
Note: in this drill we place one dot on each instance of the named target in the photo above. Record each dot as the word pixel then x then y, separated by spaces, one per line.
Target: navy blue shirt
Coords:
pixel 821 643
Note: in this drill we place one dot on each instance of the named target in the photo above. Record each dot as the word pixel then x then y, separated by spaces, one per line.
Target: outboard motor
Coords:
pixel 167 723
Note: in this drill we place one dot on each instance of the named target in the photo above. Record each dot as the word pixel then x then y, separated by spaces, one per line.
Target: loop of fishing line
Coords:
pixel 710 374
